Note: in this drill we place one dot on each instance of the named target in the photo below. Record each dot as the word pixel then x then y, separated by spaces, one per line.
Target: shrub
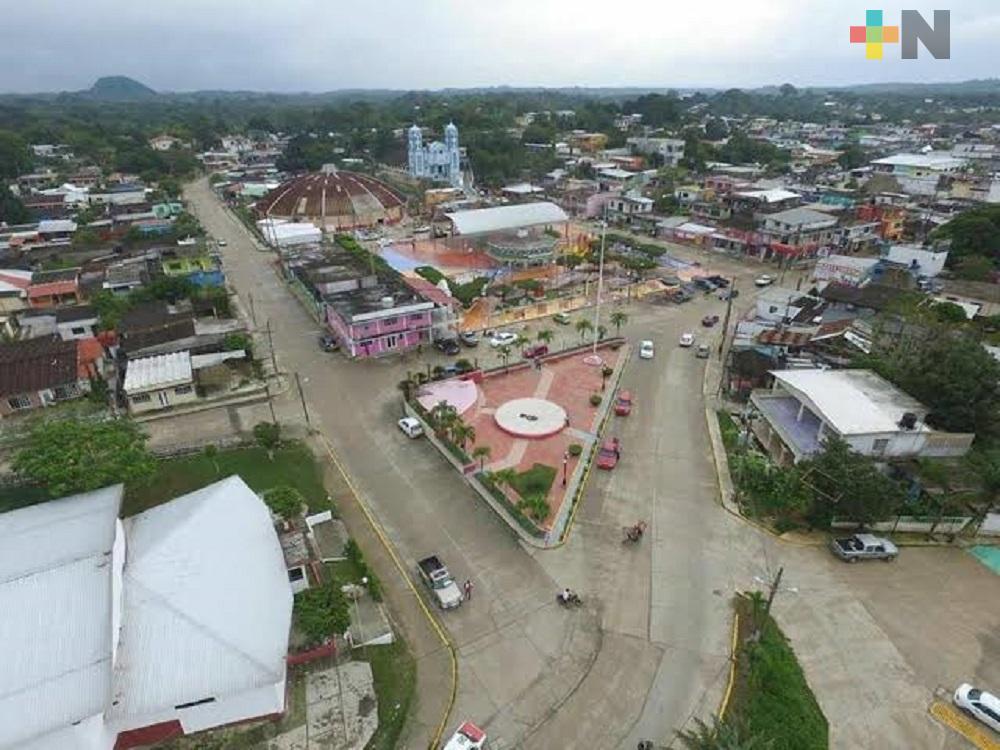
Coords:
pixel 575 449
pixel 286 501
pixel 595 400
pixel 267 435
pixel 322 612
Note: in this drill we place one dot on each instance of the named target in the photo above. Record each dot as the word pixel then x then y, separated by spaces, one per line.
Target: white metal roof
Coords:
pixel 161 371
pixel 56 630
pixel 207 604
pixel 501 218
pixel 853 402
pixel 771 195
pixel 56 225
pixel 801 217
pixel 940 160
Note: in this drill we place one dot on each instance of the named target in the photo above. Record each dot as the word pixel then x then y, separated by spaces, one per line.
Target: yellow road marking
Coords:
pixel 724 706
pixel 965 725
pixel 376 527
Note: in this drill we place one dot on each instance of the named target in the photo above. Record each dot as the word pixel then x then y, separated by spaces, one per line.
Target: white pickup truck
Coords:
pixel 864 547
pixel 437 578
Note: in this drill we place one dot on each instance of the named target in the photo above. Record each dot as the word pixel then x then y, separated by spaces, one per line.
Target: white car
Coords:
pixel 468 737
pixel 687 339
pixel 502 338
pixel 763 280
pixel 646 349
pixel 978 703
pixel 222 243
pixel 411 427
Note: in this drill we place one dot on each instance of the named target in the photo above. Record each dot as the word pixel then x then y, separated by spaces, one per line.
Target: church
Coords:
pixel 437 161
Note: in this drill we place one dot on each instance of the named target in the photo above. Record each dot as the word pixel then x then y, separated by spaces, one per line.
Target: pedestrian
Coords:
pixel 467 588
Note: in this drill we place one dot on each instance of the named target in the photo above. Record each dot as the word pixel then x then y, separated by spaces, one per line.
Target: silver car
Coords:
pixel 978 703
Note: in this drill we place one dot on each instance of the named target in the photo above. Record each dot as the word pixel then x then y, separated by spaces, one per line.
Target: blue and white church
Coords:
pixel 436 161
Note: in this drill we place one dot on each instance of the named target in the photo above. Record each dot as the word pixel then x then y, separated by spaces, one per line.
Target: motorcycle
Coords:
pixel 633 534
pixel 572 600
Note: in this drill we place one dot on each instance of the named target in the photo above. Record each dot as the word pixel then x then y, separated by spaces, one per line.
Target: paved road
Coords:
pixel 649 649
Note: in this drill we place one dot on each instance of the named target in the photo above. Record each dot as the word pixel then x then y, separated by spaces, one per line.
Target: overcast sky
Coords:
pixel 321 45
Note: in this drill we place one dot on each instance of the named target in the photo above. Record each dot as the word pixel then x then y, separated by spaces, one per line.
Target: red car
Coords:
pixel 623 405
pixel 608 455
pixel 538 350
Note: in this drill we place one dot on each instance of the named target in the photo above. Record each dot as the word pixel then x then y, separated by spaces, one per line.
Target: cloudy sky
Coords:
pixel 321 45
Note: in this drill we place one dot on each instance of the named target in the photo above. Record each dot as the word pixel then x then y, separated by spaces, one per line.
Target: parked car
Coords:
pixel 703 283
pixel 437 578
pixel 448 346
pixel 763 280
pixel 328 343
pixel 864 547
pixel 704 351
pixel 538 350
pixel 623 404
pixel 222 243
pixel 687 339
pixel 608 455
pixel 561 319
pixel 467 737
pixel 725 294
pixel 720 281
pixel 646 349
pixel 469 338
pixel 709 320
pixel 979 704
pixel 502 338
pixel 411 427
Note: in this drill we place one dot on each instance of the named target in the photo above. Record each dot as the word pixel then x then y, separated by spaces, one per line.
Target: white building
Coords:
pixel 671 149
pixel 124 633
pixel 919 174
pixel 845 269
pixel 920 260
pixel 873 416
pixel 439 162
pixel 159 382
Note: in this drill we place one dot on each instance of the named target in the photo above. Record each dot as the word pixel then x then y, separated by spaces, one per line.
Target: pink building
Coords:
pixel 376 321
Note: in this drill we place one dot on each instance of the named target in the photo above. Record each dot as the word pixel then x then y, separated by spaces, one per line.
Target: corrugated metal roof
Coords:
pixel 501 218
pixel 56 598
pixel 158 372
pixel 207 606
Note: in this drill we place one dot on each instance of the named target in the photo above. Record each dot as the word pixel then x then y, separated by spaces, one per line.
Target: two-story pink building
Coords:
pixel 379 320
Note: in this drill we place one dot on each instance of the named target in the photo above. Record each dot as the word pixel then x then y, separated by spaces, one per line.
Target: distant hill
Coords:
pixel 119 89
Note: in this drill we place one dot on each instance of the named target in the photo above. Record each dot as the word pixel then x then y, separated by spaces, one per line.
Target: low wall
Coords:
pixel 304 657
pixel 911 524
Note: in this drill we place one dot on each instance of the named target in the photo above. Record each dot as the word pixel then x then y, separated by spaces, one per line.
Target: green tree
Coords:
pixel 482 453
pixel 618 319
pixel 322 612
pixel 462 433
pixel 852 157
pixel 583 327
pixel 948 312
pixel 545 336
pixel 849 485
pixel 504 352
pixel 975 268
pixel 15 159
pixel 285 501
pixel 70 455
pixel 268 436
pixel 12 210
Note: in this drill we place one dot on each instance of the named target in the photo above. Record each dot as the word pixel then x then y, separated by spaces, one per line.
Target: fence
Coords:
pixel 911 524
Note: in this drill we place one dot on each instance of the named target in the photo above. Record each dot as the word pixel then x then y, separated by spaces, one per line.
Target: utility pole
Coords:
pixel 600 277
pixel 253 313
pixel 302 398
pixel 773 592
pixel 270 344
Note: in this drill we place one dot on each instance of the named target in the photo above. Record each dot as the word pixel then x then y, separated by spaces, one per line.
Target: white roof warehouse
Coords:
pixel 177 618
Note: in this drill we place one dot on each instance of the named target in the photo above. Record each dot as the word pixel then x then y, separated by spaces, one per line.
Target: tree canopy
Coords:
pixel 71 455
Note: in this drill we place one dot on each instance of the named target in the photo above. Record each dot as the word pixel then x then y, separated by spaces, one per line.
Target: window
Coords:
pixel 140 398
pixel 879 446
pixel 62 392
pixel 418 316
pixel 182 389
pixel 78 331
pixel 390 321
pixel 191 704
pixel 19 402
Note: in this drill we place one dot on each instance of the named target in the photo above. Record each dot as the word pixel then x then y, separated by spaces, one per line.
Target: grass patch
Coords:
pixel 395 673
pixel 522 520
pixel 293 465
pixel 534 481
pixel 771 698
pixel 730 430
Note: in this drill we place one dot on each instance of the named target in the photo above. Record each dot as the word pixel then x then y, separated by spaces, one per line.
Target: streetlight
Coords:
pixel 357 607
pixel 600 277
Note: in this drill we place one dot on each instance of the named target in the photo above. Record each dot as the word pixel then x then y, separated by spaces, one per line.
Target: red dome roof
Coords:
pixel 341 198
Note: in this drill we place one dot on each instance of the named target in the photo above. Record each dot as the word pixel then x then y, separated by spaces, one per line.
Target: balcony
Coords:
pixel 801 435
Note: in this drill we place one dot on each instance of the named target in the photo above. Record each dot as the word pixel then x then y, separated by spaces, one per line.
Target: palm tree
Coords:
pixel 482 452
pixel 504 477
pixel 463 433
pixel 443 415
pixel 545 336
pixel 602 331
pixel 618 319
pixel 504 352
pixel 583 327
pixel 719 735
